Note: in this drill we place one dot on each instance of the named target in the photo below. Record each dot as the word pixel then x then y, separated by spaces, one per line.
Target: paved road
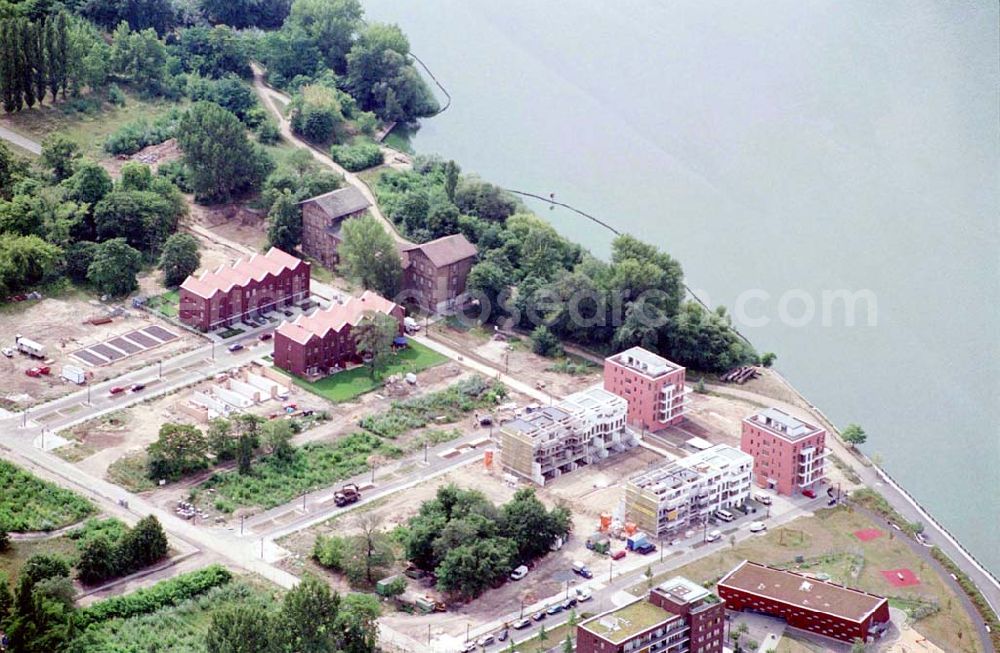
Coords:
pixel 21 141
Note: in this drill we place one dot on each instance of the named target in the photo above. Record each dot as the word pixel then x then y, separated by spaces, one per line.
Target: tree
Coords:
pixel 213 51
pixel 25 260
pixel 543 636
pixel 382 79
pixel 89 183
pixel 139 57
pixel 221 159
pixel 854 435
pixel 316 113
pixel 114 269
pixel 139 14
pixel 648 573
pixel 373 338
pixel 278 439
pixel 284 229
pixel 331 24
pixel 525 520
pixel 266 14
pixel 240 628
pixel 98 561
pixel 451 172
pixel 8 168
pixel 858 645
pixel 180 258
pixel 567 646
pixel 142 217
pixel 357 623
pixel 248 429
pixel 220 439
pixel 767 358
pixel 6 598
pixel 60 154
pixel 369 255
pixel 307 621
pixel 288 53
pixel 4 544
pixel 180 449
pixel 376 553
pixel 544 342
pixel 483 200
pixel 488 280
pixel 143 545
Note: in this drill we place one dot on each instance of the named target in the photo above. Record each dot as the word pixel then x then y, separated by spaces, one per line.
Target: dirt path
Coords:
pixel 21 141
pixel 270 97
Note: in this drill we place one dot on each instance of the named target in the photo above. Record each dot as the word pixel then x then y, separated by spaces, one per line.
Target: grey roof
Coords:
pixel 340 202
pixel 447 250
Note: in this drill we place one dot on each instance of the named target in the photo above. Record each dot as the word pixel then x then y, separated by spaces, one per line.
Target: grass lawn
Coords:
pixel 88 128
pixel 827 544
pixel 28 503
pixel 13 559
pixel 355 382
pixel 130 472
pixel 167 303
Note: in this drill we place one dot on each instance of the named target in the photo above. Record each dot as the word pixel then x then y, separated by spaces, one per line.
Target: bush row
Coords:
pixel 149 599
pixel 970 589
pixel 357 157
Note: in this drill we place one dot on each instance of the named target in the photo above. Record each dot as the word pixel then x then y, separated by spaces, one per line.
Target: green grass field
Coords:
pixel 355 382
pixel 167 304
pixel 28 503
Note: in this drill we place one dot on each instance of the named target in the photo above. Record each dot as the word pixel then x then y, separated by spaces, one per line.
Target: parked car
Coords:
pixel 581 569
pixel 117 390
pixel 713 536
pixel 265 336
pixel 809 492
pixel 618 555
pixel 138 387
pixel 568 603
pixel 538 616
pixel 554 609
pixel 521 624
pixel 519 573
pixel 8 352
pixel 758 527
pixel 33 372
pixel 502 635
pixel 645 548
pixel 235 347
pixel 724 515
pixel 469 647
pixel 485 640
pixel 583 594
pixel 763 499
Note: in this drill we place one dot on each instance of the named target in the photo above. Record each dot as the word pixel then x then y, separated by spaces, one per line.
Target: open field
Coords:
pixel 356 381
pixel 59 323
pixel 828 546
pixel 12 560
pixel 27 503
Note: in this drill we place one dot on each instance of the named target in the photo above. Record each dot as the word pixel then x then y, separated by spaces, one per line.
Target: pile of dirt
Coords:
pixel 152 156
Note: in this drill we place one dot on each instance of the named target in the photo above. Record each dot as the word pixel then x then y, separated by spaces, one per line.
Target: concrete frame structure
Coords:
pixel 813 605
pixel 322 218
pixel 583 428
pixel 679 616
pixel 245 289
pixel 789 454
pixel 674 495
pixel 318 344
pixel 652 385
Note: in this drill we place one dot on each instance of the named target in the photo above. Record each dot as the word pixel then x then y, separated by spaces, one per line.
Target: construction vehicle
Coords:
pixel 29 347
pixel 347 495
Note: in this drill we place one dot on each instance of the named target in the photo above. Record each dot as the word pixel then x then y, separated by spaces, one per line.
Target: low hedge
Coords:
pixel 150 599
pixel 970 589
pixel 356 158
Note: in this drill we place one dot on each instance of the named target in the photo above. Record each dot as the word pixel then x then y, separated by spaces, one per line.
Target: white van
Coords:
pixel 713 536
pixel 724 515
pixel 763 499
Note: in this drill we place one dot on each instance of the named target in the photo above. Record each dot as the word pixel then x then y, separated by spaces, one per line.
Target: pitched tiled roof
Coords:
pixel 447 250
pixel 340 202
pixel 334 318
pixel 223 278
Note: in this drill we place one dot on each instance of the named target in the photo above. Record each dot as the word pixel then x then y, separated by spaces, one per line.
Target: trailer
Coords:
pixel 29 347
pixel 73 374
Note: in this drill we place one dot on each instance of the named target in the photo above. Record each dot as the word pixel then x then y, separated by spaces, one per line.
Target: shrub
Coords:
pixel 976 596
pixel 116 96
pixel 448 405
pixel 357 157
pixel 177 174
pixel 544 342
pixel 133 136
pixel 267 133
pixel 29 504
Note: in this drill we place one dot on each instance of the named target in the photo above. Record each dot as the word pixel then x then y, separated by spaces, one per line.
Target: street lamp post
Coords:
pixel 159 371
pixel 243 519
pixel 611 569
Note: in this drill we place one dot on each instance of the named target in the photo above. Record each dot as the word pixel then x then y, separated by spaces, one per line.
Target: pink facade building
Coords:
pixel 789 455
pixel 653 387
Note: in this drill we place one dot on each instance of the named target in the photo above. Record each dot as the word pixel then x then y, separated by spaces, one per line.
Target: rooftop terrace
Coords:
pixel 626 622
pixel 645 362
pixel 782 424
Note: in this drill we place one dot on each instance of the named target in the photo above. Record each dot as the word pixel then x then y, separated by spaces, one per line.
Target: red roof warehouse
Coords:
pixel 316 344
pixel 816 606
pixel 248 287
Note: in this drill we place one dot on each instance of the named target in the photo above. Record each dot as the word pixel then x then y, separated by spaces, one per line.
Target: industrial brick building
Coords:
pixel 817 606
pixel 679 616
pixel 652 385
pixel 672 496
pixel 583 428
pixel 434 273
pixel 245 289
pixel 789 454
pixel 322 218
pixel 322 343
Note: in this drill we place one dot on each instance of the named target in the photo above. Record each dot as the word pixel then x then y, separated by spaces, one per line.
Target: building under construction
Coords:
pixel 674 495
pixel 584 428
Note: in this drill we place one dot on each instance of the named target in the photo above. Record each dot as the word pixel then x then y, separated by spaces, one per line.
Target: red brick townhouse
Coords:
pixel 247 288
pixel 317 344
pixel 322 217
pixel 434 273
pixel 653 387
pixel 789 455
pixel 679 616
pixel 816 606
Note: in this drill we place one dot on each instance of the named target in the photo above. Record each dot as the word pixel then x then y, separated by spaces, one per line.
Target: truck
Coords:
pixel 73 374
pixel 29 347
pixel 636 541
pixel 411 325
pixel 347 495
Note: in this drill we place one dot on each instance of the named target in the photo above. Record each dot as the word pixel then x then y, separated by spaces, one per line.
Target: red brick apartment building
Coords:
pixel 652 385
pixel 789 455
pixel 679 616
pixel 817 606
pixel 247 288
pixel 322 217
pixel 434 273
pixel 318 344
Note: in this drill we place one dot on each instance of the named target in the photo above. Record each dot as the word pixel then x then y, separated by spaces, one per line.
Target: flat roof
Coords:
pixel 801 591
pixel 671 473
pixel 644 362
pixel 626 622
pixel 782 424
pixel 683 590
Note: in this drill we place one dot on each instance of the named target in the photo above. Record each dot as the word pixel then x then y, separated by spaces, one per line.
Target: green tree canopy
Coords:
pixel 180 258
pixel 368 253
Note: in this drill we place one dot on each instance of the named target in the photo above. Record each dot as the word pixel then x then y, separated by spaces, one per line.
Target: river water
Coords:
pixel 779 150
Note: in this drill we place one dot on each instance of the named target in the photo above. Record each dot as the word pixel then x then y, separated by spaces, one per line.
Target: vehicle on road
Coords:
pixel 265 336
pixel 646 548
pixel 763 499
pixel 809 492
pixel 117 390
pixel 485 640
pixel 502 635
pixel 713 536
pixel 347 495
pixel 581 569
pixel 554 609
pixel 538 616
pixel 469 647
pixel 235 347
pixel 138 387
pixel 758 527
pixel 618 555
pixel 8 352
pixel 520 624
pixel 583 594
pixel 519 573
pixel 568 603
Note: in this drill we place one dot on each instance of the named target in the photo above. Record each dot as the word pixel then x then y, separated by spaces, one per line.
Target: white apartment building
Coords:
pixel 583 428
pixel 674 495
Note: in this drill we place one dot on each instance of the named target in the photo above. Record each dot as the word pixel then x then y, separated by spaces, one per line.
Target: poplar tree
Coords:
pixel 8 66
pixel 38 58
pixel 55 63
pixel 62 47
pixel 25 71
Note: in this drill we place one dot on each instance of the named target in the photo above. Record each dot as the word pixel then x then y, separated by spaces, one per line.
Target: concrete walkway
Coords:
pixel 22 142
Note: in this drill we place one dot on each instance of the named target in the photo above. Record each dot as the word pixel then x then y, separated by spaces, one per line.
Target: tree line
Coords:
pixel 33 60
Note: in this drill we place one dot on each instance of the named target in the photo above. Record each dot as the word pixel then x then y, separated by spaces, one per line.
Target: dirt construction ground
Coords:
pixel 59 325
